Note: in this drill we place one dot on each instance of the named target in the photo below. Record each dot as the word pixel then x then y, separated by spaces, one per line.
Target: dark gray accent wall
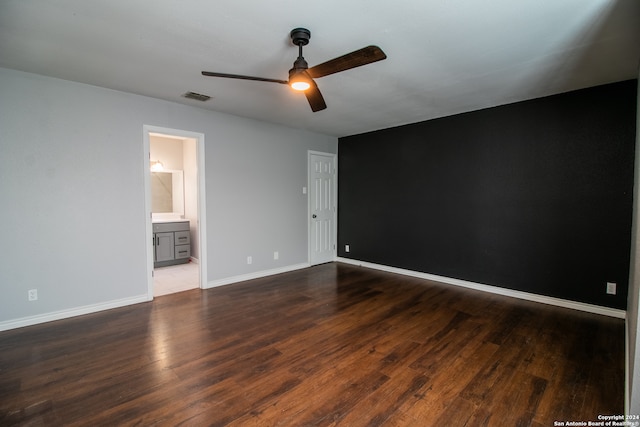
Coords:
pixel 534 196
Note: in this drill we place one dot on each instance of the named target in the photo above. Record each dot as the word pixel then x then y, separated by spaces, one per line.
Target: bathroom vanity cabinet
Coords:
pixel 171 243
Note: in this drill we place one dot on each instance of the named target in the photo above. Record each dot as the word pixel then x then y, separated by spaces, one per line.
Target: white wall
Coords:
pixel 633 313
pixel 72 192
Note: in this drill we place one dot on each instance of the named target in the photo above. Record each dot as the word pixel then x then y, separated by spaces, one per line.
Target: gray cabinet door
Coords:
pixel 164 247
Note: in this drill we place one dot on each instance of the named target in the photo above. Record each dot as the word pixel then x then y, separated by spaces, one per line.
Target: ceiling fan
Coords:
pixel 301 76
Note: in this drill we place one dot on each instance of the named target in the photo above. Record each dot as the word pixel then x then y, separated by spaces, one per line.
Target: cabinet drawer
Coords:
pixel 182 237
pixel 165 227
pixel 183 251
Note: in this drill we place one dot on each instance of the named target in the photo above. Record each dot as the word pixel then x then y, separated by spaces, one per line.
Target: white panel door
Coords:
pixel 322 202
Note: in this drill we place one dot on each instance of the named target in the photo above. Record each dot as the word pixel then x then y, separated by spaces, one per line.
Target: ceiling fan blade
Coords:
pixel 238 76
pixel 360 57
pixel 316 101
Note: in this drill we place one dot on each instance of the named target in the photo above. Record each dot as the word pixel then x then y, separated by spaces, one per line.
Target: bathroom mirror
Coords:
pixel 167 192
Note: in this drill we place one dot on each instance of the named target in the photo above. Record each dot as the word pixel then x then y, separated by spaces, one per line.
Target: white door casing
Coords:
pixel 201 199
pixel 322 207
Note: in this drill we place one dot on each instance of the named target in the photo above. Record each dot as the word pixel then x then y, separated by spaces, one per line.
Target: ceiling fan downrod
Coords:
pixel 300 37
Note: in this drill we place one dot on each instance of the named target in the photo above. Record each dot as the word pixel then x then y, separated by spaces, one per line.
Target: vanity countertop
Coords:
pixel 160 221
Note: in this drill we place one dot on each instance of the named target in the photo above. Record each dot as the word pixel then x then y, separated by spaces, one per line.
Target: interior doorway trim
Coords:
pixel 202 214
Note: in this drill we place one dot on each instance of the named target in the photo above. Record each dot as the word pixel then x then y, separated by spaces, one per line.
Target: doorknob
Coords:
pixel 314 216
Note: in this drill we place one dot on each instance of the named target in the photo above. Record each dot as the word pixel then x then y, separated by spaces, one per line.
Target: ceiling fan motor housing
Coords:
pixel 300 64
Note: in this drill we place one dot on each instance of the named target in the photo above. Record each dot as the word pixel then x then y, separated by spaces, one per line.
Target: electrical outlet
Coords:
pixel 249 260
pixel 32 294
pixel 346 248
pixel 276 255
pixel 611 288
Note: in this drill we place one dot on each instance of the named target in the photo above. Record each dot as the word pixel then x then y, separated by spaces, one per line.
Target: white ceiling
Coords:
pixel 444 56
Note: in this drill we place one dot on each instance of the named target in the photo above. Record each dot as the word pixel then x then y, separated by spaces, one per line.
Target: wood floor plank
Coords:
pixel 457 413
pixel 331 345
pixel 386 401
pixel 517 401
pixel 448 385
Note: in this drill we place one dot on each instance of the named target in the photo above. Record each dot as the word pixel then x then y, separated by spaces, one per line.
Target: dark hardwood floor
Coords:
pixel 330 345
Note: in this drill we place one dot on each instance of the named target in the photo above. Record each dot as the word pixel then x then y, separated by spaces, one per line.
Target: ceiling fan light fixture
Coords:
pixel 300 85
pixel 298 80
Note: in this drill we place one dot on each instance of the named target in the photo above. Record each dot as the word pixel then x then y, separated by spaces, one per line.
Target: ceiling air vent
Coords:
pixel 197 96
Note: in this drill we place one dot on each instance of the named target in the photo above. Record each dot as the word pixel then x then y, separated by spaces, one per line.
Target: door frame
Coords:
pixel 147 130
pixel 334 157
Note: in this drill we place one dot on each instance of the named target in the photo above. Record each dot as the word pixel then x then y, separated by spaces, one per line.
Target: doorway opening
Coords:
pixel 175 203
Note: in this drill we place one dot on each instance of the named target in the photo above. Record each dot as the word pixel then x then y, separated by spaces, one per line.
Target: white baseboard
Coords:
pixel 255 275
pixel 591 308
pixel 93 308
pixel 64 314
